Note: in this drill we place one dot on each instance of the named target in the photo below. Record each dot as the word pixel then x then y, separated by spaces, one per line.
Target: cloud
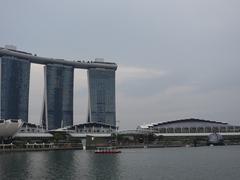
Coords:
pixel 127 73
pixel 178 102
pixel 80 79
pixel 36 93
pixel 178 90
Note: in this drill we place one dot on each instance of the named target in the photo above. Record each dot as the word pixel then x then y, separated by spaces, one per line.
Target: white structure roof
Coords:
pixel 9 127
pixel 191 122
pixel 34 135
pixel 90 134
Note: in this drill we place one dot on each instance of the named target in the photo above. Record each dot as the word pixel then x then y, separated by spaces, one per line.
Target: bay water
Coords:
pixel 183 163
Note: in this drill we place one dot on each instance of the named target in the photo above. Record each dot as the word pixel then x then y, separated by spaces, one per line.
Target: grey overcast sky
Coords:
pixel 177 58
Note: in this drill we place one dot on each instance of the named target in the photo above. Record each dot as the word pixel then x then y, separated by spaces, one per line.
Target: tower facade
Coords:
pixel 58 96
pixel 101 108
pixel 14 88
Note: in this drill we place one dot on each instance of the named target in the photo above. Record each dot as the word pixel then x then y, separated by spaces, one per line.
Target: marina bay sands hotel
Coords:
pixel 57 108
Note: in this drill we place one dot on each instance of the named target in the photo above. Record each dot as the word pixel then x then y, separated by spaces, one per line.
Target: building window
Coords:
pixel 208 129
pixel 223 129
pixel 193 130
pixel 170 130
pixel 177 130
pixel 200 130
pixel 185 130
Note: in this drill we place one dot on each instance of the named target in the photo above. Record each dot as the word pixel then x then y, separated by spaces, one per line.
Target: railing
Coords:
pixel 6 146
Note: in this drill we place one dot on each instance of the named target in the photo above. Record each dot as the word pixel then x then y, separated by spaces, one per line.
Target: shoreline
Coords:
pixel 119 147
pixel 39 149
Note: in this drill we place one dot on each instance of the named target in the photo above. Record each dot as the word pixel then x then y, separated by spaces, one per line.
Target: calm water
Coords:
pixel 203 163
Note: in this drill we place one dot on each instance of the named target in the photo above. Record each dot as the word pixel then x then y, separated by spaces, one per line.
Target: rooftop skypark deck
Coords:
pixel 44 60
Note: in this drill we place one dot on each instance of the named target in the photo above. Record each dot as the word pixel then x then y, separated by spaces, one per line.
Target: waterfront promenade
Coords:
pixel 40 147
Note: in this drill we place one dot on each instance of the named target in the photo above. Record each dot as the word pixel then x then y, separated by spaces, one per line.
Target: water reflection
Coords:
pixel 60 165
pixel 37 165
pixel 165 163
pixel 14 166
pixel 104 166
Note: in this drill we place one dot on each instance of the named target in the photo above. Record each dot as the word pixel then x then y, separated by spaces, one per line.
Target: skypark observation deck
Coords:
pixel 43 60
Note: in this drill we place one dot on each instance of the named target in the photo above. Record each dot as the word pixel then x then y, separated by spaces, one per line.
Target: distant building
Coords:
pixel 14 88
pixel 190 126
pixel 58 96
pixel 101 96
pixel 94 128
pixel 57 108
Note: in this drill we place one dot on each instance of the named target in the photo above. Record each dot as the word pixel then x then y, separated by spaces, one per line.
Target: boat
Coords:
pixel 107 150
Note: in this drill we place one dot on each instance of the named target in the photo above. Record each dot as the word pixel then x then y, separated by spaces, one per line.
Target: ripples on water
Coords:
pixel 202 163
